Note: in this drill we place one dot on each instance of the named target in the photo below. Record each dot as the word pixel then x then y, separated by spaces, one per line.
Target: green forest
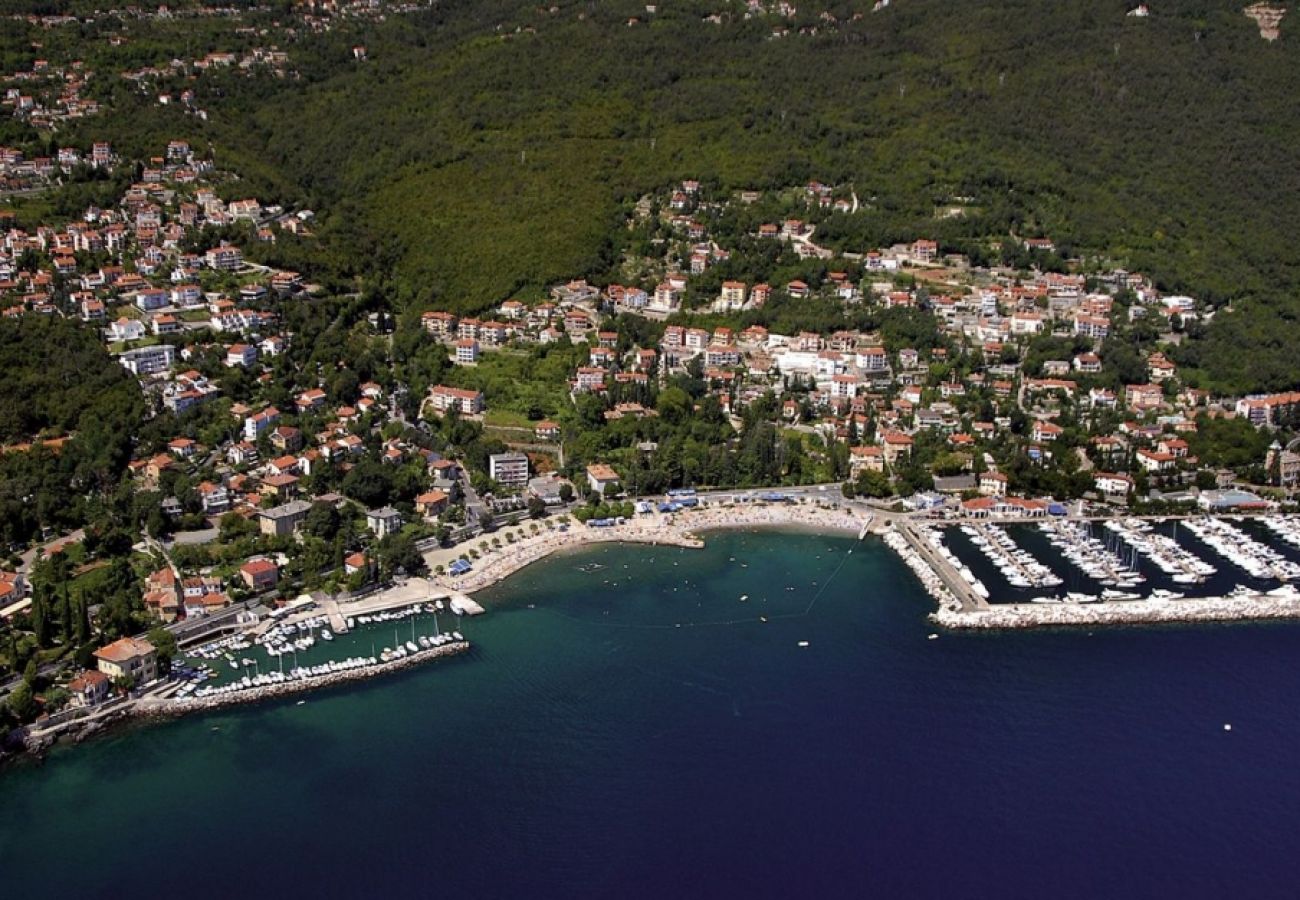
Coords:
pixel 487 149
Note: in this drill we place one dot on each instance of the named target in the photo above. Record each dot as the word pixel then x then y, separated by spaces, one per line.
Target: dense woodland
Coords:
pixel 489 148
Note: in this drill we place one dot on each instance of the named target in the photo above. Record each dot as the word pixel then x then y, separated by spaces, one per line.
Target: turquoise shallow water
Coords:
pixel 588 746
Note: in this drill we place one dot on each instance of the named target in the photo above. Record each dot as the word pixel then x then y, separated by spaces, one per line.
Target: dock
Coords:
pixel 986 531
pixel 337 622
pixel 464 605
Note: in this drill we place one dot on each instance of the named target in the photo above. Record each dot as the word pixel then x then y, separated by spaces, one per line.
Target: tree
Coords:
pixel 22 703
pixel 536 507
pixel 485 519
pixel 398 551
pixel 566 492
pixel 322 521
pixel 165 643
pixel 233 526
pixel 873 484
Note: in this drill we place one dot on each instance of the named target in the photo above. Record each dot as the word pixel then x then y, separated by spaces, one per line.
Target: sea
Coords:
pixel 771 716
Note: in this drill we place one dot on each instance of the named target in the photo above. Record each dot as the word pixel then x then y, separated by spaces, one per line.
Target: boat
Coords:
pixel 1163 594
pixel 803 643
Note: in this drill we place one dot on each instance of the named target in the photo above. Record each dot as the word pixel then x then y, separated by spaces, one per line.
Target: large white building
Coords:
pixel 510 469
pixel 148 360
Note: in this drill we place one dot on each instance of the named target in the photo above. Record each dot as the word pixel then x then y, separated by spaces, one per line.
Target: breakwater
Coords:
pixel 180 706
pixel 1121 612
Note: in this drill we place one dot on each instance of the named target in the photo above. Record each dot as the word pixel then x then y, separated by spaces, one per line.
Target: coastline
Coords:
pixel 679 529
pixel 1119 612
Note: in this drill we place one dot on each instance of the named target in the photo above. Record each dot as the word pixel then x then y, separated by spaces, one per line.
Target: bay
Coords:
pixel 627 725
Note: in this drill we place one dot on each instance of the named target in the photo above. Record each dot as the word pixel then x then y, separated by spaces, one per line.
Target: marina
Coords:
pixel 1259 560
pixel 1115 571
pixel 305 648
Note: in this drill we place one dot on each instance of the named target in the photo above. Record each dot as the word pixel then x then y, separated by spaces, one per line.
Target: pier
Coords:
pixel 951 578
pixel 338 624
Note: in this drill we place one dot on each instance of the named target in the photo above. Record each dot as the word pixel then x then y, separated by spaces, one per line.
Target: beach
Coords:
pixel 683 528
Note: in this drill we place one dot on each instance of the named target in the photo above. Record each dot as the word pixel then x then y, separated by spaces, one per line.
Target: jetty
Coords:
pixel 1239 608
pixel 957 586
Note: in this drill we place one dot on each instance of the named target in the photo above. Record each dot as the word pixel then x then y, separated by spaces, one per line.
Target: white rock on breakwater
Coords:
pixel 1127 612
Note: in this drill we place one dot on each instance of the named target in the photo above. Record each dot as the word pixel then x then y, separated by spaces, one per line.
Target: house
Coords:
pixel 895 445
pixel 286 439
pixel 1088 363
pixel 993 484
pixel 241 355
pixel 1175 447
pixel 547 488
pixel 1155 461
pixel 1046 431
pixel 866 459
pixel 90 688
pixel 467 350
pixel 260 422
pixel 1140 397
pixel 924 251
pixel 204 603
pixel 260 574
pixel 311 400
pixel 509 469
pixel 214 497
pixel 128 658
pixel 546 430
pixel 182 447
pixel 432 503
pixel 148 360
pixel 600 477
pixel 383 521
pixel 281 521
pixel 1112 484
pixel 356 562
pixel 465 402
pixel 224 258
pixel 125 329
pixel 439 324
pixel 284 465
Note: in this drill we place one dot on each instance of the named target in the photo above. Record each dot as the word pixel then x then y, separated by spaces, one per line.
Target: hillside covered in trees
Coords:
pixel 487 148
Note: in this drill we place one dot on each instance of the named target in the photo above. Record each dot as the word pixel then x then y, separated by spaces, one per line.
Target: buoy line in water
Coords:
pixel 654 626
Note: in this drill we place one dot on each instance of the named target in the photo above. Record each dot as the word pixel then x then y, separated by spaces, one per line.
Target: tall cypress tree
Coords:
pixel 40 619
pixel 65 614
pixel 81 627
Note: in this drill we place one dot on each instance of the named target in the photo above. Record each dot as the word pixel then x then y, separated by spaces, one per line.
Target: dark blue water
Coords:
pixel 591 747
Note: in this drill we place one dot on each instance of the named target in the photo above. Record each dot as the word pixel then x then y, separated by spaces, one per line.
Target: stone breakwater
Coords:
pixel 177 707
pixel 1120 612
pixel 932 583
